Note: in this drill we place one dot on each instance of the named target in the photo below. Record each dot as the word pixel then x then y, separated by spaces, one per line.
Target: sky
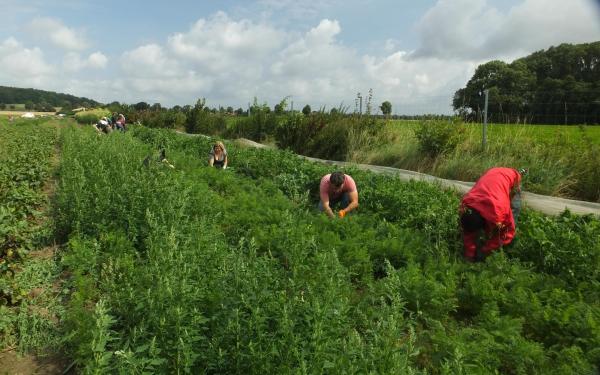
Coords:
pixel 415 54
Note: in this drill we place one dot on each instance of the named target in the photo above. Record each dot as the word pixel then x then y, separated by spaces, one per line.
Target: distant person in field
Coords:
pixel 113 120
pixel 338 189
pixel 217 157
pixel 120 123
pixel 102 126
pixel 161 157
pixel 489 212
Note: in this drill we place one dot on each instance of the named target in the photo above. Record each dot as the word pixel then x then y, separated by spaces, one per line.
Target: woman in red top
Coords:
pixel 490 210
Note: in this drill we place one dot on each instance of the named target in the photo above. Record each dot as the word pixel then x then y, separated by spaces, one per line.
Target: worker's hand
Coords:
pixel 341 214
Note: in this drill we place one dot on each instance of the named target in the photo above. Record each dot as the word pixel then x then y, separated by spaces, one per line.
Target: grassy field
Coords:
pixel 562 159
pixel 142 268
pixel 19 113
pixel 543 133
pixel 16 106
pixel 199 270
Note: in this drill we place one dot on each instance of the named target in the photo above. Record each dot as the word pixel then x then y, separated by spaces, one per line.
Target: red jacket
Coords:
pixel 491 197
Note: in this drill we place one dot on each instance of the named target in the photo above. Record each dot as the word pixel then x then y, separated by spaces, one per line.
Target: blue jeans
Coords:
pixel 515 206
pixel 343 202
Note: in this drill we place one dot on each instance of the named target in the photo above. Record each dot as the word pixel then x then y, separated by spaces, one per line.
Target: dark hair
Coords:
pixel 337 178
pixel 472 221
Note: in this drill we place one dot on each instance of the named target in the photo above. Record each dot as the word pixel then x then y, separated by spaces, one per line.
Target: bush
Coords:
pixel 91 116
pixel 438 137
pixel 200 121
pixel 258 126
pixel 586 168
pixel 326 135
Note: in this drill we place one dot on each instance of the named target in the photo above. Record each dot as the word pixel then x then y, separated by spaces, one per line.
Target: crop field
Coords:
pixel 198 270
pixel 25 166
pixel 19 113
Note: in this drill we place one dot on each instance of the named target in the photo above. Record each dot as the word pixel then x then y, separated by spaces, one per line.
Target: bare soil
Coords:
pixel 11 363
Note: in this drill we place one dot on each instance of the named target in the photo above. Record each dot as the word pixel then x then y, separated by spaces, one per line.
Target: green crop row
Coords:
pixel 235 271
pixel 24 167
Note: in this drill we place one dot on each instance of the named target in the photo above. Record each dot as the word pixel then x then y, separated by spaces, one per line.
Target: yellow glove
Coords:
pixel 341 214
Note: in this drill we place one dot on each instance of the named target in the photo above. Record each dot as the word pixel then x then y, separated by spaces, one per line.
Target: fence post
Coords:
pixel 485 115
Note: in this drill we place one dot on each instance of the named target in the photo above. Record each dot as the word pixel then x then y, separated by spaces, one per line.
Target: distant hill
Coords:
pixel 41 100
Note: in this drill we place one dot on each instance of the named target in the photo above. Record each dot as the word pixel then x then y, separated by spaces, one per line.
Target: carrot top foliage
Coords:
pixel 235 271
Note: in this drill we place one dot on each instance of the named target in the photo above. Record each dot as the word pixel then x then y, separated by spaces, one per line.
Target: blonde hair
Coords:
pixel 220 144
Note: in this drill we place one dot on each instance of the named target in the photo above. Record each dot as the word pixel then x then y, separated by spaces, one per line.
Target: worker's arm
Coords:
pixel 225 163
pixel 353 202
pixel 500 235
pixel 326 208
pixel 211 160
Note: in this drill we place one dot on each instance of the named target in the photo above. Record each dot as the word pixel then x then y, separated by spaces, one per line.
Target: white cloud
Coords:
pixel 229 60
pixel 57 33
pixel 150 70
pixel 73 62
pixel 456 28
pixel 220 44
pixel 390 45
pixel 22 66
pixel 473 30
pixel 539 24
pixel 316 65
pixel 149 60
pixel 97 60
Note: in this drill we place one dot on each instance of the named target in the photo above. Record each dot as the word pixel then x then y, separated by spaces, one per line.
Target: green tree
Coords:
pixel 141 106
pixel 306 110
pixel 556 86
pixel 278 109
pixel 386 108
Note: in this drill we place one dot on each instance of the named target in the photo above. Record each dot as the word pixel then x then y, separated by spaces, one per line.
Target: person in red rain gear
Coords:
pixel 490 210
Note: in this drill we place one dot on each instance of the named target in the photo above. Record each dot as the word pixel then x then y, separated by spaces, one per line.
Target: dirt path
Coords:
pixel 14 364
pixel 543 203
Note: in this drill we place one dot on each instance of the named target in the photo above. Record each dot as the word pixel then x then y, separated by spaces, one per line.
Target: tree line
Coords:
pixel 41 100
pixel 560 85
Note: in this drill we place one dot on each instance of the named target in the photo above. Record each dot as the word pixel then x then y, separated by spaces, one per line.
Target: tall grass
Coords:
pixel 563 164
pixel 91 116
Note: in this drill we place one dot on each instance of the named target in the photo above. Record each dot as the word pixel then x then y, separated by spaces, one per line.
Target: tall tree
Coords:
pixel 306 110
pixel 558 86
pixel 386 108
